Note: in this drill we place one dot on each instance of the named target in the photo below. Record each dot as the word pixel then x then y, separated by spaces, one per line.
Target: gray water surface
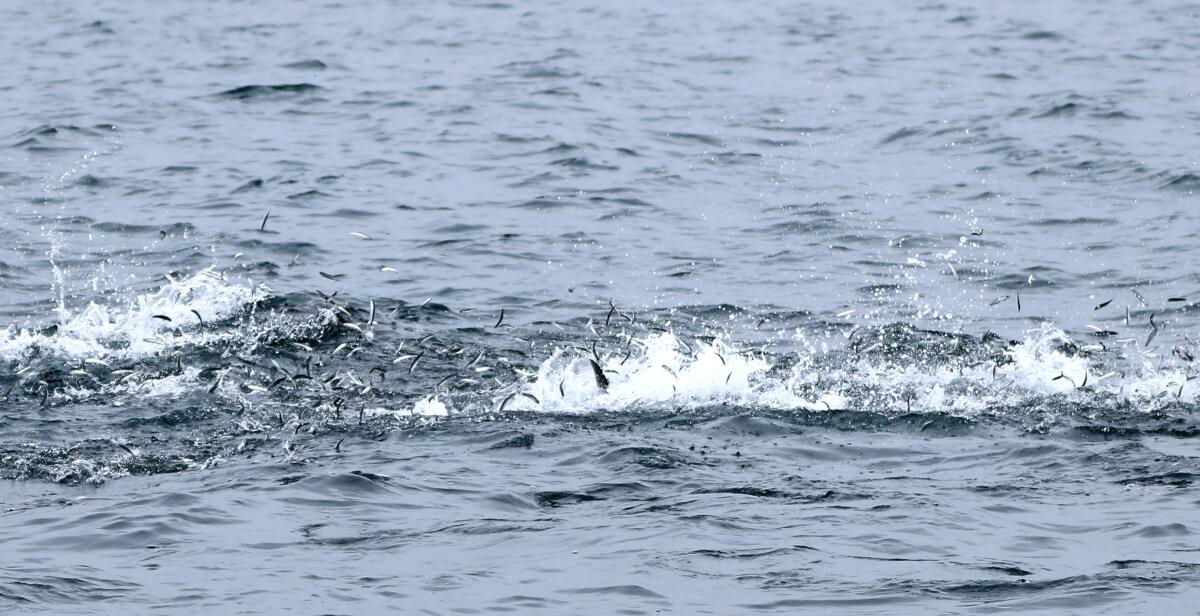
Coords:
pixel 895 307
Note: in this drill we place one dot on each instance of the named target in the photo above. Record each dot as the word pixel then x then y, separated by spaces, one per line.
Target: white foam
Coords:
pixel 133 330
pixel 430 407
pixel 173 385
pixel 663 372
pixel 426 407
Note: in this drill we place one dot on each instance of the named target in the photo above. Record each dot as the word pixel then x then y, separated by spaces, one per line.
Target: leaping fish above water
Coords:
pixel 598 372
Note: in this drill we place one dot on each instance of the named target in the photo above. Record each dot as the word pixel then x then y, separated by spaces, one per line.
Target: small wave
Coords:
pixel 252 92
pixel 1186 182
pixel 307 65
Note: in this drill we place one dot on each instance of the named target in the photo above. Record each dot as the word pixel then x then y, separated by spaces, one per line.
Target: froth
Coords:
pixel 664 371
pixel 661 369
pixel 136 329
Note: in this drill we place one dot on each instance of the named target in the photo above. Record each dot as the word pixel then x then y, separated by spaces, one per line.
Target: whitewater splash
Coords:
pixel 665 371
pixel 168 318
pixel 431 407
pixel 661 370
pixel 277 375
pixel 891 370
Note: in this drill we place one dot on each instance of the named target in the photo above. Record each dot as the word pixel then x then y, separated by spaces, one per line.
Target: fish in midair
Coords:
pixel 598 372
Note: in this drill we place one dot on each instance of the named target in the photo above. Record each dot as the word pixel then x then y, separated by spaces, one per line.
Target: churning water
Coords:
pixel 719 307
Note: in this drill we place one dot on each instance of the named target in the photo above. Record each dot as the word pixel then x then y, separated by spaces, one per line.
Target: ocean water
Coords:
pixel 599 308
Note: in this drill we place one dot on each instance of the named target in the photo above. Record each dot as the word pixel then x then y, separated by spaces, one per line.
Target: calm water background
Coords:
pixel 847 270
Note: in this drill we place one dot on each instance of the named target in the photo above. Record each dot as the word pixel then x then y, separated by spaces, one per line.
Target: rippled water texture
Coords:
pixel 720 307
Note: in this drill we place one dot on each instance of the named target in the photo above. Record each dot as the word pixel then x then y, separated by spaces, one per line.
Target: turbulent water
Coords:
pixel 722 307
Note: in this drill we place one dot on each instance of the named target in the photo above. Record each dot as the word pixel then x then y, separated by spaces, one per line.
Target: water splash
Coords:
pixel 661 370
pixel 1046 365
pixel 166 318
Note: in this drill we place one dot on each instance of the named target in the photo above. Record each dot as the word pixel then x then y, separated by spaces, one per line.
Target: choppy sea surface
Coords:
pixel 605 308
